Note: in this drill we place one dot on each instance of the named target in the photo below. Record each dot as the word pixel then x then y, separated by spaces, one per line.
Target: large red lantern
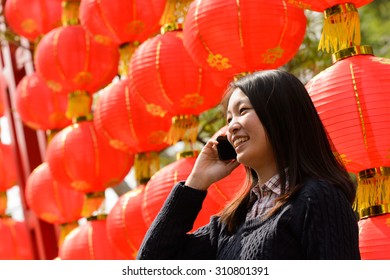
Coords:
pixel 352 98
pixel 70 60
pixel 89 242
pixel 50 200
pixel 33 18
pixel 8 173
pixel 80 157
pixel 164 74
pixel 125 225
pixel 234 37
pixel 15 241
pixel 38 106
pixel 374 237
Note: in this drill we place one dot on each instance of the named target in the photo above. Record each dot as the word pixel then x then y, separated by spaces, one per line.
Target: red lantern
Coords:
pixel 80 157
pixel 89 242
pixel 51 201
pixel 374 238
pixel 352 98
pixel 70 60
pixel 33 18
pixel 164 74
pixel 40 107
pixel 14 240
pixel 8 172
pixel 353 101
pixel 125 225
pixel 135 129
pixel 233 37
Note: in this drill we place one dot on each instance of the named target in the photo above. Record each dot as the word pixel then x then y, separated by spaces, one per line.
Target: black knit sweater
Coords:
pixel 317 224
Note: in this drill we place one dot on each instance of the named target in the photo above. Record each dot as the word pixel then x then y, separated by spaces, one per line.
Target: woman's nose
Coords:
pixel 233 126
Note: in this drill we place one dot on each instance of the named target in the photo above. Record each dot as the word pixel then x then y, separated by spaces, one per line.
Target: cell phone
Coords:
pixel 225 150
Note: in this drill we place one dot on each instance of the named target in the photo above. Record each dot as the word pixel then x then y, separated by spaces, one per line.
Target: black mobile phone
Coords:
pixel 225 150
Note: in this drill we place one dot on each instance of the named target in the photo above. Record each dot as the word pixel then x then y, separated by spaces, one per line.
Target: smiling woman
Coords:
pixel 296 200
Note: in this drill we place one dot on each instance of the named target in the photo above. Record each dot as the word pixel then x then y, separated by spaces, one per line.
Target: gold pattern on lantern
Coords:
pixel 135 27
pixel 29 25
pixel 191 100
pixel 155 110
pixel 54 86
pixel 218 61
pixel 342 158
pixel 83 77
pixel 381 60
pixel 102 39
pixel 387 223
pixel 299 4
pixel 157 137
pixel 119 145
pixel 272 55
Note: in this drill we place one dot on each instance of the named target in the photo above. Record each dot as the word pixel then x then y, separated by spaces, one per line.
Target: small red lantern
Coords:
pixel 164 74
pixel 80 157
pixel 33 18
pixel 125 225
pixel 70 60
pixel 8 171
pixel 374 238
pixel 15 241
pixel 135 130
pixel 50 200
pixel 234 37
pixel 89 242
pixel 40 107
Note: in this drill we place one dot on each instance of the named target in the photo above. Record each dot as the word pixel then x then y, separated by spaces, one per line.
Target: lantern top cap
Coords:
pixel 352 51
pixel 339 9
pixel 374 172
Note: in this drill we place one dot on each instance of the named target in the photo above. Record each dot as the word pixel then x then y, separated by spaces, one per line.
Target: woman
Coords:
pixel 296 201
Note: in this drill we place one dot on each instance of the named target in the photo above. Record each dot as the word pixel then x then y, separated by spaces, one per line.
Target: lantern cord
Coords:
pixel 373 193
pixel 145 166
pixel 79 105
pixel 65 229
pixel 70 12
pixel 92 203
pixel 184 127
pixel 126 51
pixel 175 11
pixel 3 202
pixel 341 28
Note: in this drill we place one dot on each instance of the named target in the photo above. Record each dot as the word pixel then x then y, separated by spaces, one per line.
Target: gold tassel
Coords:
pixel 79 106
pixel 65 229
pixel 126 52
pixel 145 165
pixel 92 203
pixel 175 11
pixel 50 134
pixel 341 28
pixel 373 192
pixel 70 12
pixel 3 202
pixel 184 127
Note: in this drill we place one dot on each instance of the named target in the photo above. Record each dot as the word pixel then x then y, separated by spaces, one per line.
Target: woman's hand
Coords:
pixel 208 168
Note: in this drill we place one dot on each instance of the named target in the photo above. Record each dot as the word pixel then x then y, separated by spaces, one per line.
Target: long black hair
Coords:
pixel 299 140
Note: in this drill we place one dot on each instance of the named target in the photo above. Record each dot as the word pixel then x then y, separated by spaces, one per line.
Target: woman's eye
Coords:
pixel 228 120
pixel 242 110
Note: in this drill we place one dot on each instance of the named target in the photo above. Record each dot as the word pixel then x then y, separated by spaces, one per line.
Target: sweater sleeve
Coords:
pixel 168 238
pixel 330 229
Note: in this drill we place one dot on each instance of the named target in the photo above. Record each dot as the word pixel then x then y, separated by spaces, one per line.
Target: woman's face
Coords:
pixel 247 135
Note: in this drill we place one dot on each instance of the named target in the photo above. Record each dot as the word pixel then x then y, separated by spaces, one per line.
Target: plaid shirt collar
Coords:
pixel 273 185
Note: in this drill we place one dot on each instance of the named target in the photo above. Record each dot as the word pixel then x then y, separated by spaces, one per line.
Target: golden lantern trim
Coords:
pixel 79 106
pixel 352 51
pixel 341 28
pixel 92 203
pixel 70 12
pixel 145 166
pixel 184 127
pixel 3 202
pixel 373 192
pixel 65 229
pixel 126 51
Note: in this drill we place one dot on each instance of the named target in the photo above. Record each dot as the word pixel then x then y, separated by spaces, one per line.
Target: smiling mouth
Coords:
pixel 239 141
